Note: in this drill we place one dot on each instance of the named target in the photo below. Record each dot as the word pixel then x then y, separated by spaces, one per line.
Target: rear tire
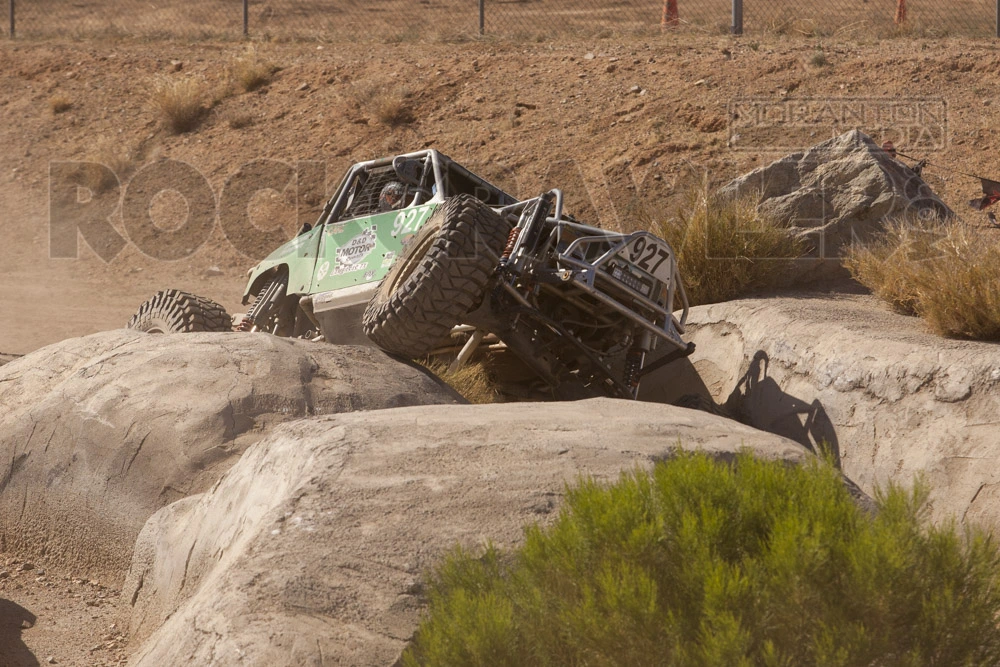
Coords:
pixel 173 311
pixel 441 278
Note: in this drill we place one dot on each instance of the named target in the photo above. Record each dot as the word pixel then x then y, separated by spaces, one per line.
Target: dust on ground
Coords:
pixel 56 618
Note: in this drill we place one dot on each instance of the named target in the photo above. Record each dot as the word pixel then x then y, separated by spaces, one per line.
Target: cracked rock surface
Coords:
pixel 890 399
pixel 310 550
pixel 97 433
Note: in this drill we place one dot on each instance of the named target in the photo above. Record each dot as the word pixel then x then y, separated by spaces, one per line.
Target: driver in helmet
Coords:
pixel 391 197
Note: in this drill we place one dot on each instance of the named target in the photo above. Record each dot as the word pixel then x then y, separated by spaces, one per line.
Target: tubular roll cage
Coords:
pixel 588 276
pixel 436 175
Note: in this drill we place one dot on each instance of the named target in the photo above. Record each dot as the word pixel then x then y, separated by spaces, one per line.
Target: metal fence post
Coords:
pixel 737 27
pixel 482 16
pixel 12 18
pixel 246 17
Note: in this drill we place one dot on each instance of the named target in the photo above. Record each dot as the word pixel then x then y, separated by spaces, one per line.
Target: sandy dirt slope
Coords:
pixel 65 617
pixel 613 123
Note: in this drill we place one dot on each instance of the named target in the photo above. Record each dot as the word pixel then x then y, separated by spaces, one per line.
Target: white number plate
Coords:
pixel 650 255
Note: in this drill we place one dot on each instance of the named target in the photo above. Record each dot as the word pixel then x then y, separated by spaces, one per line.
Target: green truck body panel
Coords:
pixel 362 250
pixel 299 255
pixel 344 254
pixel 575 304
pixel 356 240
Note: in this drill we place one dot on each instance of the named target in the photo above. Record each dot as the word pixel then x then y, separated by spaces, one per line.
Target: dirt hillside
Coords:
pixel 612 122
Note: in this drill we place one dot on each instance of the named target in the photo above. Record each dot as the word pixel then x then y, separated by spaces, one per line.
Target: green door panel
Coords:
pixel 299 255
pixel 362 250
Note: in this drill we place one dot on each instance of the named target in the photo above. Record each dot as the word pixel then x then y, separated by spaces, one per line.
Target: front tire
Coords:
pixel 441 278
pixel 173 311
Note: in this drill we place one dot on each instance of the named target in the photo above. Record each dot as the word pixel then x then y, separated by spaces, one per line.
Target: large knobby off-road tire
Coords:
pixel 173 311
pixel 439 279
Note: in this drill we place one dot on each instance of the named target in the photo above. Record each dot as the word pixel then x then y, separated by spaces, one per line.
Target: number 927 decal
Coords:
pixel 649 255
pixel 410 220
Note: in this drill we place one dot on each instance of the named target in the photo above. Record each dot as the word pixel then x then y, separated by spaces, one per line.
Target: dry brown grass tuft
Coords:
pixel 181 101
pixel 60 103
pixel 250 71
pixel 117 158
pixel 472 381
pixel 387 104
pixel 888 264
pixel 946 272
pixel 238 121
pixel 727 248
pixel 819 59
pixel 392 108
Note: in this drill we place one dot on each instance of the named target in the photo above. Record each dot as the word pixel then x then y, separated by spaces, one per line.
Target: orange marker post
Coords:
pixel 900 12
pixel 670 17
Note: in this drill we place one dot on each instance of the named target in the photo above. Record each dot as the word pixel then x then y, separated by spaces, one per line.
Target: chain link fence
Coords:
pixel 445 20
pixel 874 18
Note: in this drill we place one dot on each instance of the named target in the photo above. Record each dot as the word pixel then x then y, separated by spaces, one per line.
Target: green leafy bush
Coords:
pixel 705 563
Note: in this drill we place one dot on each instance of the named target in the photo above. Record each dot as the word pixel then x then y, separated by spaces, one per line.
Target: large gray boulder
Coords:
pixel 310 550
pixel 97 433
pixel 839 190
pixel 891 400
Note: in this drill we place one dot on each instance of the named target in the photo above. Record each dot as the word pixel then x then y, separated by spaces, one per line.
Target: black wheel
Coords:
pixel 440 278
pixel 273 310
pixel 173 311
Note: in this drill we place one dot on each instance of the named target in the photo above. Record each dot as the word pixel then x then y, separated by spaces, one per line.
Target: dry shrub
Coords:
pixel 238 121
pixel 914 29
pixel 60 103
pixel 250 71
pixel 181 101
pixel 788 22
pixel 110 153
pixel 389 105
pixel 472 381
pixel 451 36
pixel 727 248
pixel 888 264
pixel 392 108
pixel 946 272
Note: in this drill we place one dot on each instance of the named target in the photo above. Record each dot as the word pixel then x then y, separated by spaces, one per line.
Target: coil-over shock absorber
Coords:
pixel 528 227
pixel 509 248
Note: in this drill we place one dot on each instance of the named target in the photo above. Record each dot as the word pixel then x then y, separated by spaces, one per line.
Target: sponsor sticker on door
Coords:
pixel 352 255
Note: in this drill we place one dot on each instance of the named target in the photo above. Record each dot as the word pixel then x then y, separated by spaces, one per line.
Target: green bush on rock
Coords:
pixel 706 563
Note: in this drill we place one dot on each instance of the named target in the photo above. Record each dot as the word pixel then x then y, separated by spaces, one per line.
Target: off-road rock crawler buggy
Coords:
pixel 422 257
